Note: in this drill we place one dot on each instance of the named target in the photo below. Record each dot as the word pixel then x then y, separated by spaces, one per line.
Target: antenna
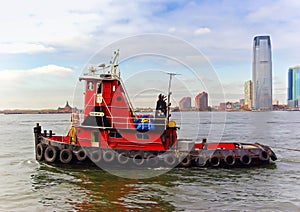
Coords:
pixel 103 67
pixel 114 63
pixel 169 95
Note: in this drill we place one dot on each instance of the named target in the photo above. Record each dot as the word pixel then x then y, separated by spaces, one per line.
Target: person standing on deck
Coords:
pixel 161 106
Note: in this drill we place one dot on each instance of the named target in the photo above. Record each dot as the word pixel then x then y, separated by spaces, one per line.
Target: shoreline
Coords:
pixel 51 111
pixel 20 111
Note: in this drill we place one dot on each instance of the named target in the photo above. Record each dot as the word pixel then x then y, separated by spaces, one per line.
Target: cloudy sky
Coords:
pixel 44 45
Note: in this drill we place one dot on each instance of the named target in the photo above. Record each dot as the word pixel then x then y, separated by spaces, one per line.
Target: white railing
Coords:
pixel 121 122
pixel 115 120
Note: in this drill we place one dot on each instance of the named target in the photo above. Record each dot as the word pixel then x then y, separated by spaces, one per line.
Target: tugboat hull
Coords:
pixel 54 149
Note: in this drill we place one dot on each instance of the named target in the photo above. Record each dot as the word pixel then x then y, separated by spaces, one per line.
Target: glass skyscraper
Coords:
pixel 294 86
pixel 262 73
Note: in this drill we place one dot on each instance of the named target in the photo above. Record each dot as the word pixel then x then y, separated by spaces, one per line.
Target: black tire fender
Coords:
pixel 138 159
pixel 108 156
pixel 39 152
pixel 170 159
pixel 65 156
pixel 96 156
pixel 185 160
pixel 202 160
pixel 123 158
pixel 245 159
pixel 152 160
pixel 215 160
pixel 229 160
pixel 50 154
pixel 81 155
pixel 264 156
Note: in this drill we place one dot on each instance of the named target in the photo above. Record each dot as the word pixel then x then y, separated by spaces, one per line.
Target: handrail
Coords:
pixel 88 104
pixel 127 97
pixel 125 122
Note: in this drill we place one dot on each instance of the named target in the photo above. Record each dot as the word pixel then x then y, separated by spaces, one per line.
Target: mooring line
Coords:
pixel 292 149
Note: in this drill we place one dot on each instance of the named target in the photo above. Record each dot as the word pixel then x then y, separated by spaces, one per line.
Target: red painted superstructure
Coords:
pixel 109 120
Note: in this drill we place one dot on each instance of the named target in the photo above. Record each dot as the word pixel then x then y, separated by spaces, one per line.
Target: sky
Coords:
pixel 45 45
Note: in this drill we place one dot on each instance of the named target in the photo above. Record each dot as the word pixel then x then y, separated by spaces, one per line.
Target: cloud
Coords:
pixel 17 48
pixel 201 31
pixel 44 71
pixel 172 30
pixel 41 87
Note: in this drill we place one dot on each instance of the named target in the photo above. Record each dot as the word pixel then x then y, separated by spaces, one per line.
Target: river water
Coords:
pixel 26 185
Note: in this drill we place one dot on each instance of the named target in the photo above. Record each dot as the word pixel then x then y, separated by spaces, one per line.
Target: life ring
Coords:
pixel 214 160
pixel 108 156
pixel 123 158
pixel 152 160
pixel 185 160
pixel 138 159
pixel 39 152
pixel 80 155
pixel 202 160
pixel 65 156
pixel 96 156
pixel 50 154
pixel 170 159
pixel 229 160
pixel 245 159
pixel 264 156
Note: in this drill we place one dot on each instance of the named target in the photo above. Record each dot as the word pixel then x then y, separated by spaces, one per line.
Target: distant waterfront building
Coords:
pixel 262 73
pixel 242 103
pixel 228 106
pixel 293 86
pixel 222 106
pixel 66 109
pixel 248 92
pixel 275 102
pixel 185 103
pixel 236 106
pixel 201 101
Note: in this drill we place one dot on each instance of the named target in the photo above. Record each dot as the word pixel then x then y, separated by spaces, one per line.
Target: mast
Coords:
pixel 114 64
pixel 169 97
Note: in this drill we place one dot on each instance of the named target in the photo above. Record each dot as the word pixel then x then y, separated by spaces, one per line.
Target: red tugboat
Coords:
pixel 111 134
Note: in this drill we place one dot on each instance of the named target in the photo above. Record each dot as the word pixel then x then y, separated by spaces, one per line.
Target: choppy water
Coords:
pixel 26 185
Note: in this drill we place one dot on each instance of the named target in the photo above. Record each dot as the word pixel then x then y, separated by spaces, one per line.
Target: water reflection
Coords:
pixel 70 188
pixel 93 189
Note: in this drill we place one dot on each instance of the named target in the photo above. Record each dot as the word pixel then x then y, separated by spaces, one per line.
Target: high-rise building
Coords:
pixel 293 86
pixel 262 73
pixel 201 101
pixel 248 94
pixel 185 103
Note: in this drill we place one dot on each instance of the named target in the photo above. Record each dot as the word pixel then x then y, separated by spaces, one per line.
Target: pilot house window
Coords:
pixel 142 136
pixel 115 135
pixel 90 85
